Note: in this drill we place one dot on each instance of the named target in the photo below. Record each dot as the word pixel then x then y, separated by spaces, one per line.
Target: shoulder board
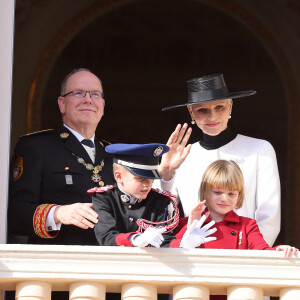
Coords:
pixel 37 132
pixel 104 143
pixel 100 189
pixel 165 193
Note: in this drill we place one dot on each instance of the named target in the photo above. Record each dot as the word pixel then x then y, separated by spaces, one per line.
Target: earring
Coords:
pixel 229 116
pixel 192 121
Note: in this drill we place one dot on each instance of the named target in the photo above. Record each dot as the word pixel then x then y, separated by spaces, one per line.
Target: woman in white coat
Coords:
pixel 210 104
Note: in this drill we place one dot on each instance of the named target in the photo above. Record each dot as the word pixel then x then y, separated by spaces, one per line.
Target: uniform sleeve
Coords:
pixel 27 213
pixel 107 230
pixel 255 238
pixel 267 212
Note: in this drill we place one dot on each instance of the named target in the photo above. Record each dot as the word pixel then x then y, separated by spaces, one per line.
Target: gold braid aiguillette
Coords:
pixel 96 169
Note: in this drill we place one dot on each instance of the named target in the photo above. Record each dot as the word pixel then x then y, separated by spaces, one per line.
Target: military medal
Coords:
pixel 96 177
pixel 89 167
pixel 96 169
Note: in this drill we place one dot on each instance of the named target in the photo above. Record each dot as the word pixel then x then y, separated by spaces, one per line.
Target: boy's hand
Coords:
pixel 288 250
pixel 195 235
pixel 150 236
pixel 177 153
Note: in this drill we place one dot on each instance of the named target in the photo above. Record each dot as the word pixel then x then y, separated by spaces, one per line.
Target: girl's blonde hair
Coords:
pixel 224 175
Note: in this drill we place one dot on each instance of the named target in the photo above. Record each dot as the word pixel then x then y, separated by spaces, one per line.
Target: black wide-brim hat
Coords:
pixel 209 88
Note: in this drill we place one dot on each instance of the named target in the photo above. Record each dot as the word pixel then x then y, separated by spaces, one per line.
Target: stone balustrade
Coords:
pixel 89 272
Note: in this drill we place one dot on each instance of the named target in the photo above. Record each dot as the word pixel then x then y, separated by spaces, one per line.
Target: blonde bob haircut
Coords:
pixel 223 175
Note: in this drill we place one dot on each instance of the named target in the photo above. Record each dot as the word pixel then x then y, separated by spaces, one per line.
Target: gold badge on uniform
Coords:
pixel 64 135
pixel 17 168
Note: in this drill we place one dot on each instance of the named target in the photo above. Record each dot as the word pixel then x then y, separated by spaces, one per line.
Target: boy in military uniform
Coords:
pixel 130 212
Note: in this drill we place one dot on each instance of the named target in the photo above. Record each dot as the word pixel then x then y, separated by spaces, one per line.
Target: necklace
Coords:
pixel 96 169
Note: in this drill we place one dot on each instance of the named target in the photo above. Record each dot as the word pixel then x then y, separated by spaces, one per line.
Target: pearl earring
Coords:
pixel 229 116
pixel 192 121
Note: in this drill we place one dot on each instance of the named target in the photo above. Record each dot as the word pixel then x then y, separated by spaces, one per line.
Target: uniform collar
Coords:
pixel 126 198
pixel 72 144
pixel 78 135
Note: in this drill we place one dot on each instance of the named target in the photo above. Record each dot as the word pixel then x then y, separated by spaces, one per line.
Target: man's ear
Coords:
pixel 61 104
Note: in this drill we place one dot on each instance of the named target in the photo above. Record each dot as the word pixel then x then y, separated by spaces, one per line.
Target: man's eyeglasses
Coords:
pixel 82 94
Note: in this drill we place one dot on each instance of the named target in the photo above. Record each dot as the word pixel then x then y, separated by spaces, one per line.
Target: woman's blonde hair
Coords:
pixel 224 175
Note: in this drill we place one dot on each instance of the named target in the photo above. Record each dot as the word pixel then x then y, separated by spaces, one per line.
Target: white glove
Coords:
pixel 195 235
pixel 151 236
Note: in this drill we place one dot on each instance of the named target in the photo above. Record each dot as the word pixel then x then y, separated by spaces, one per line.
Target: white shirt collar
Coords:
pixel 78 135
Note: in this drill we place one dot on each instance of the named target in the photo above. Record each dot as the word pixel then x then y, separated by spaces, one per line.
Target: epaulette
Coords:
pixel 37 133
pixel 100 189
pixel 104 143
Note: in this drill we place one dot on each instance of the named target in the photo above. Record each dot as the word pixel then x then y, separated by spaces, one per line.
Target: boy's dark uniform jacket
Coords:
pixel 38 180
pixel 117 218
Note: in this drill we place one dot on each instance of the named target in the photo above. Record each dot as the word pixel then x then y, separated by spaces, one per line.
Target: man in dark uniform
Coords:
pixel 52 170
pixel 131 213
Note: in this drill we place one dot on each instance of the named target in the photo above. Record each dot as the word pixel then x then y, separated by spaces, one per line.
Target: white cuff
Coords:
pixel 167 185
pixel 132 237
pixel 50 223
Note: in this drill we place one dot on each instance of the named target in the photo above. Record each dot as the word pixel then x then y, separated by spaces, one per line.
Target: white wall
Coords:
pixel 6 63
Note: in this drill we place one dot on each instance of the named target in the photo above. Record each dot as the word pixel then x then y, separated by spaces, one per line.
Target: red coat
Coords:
pixel 233 232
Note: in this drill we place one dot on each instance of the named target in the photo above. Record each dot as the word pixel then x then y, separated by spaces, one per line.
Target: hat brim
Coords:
pixel 224 97
pixel 149 174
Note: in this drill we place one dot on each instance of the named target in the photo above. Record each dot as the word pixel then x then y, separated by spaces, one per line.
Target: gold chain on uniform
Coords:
pixel 95 177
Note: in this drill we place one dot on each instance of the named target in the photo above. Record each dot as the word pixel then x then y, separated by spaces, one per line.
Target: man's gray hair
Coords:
pixel 74 71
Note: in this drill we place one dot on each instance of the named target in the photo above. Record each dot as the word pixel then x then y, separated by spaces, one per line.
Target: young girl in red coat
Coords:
pixel 222 190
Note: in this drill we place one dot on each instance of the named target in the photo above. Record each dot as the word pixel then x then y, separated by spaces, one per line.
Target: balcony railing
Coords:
pixel 89 272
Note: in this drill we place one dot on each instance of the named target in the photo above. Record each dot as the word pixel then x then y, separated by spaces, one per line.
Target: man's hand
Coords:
pixel 150 236
pixel 177 153
pixel 197 235
pixel 79 214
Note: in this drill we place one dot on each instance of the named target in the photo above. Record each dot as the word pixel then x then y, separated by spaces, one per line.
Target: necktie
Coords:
pixel 88 143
